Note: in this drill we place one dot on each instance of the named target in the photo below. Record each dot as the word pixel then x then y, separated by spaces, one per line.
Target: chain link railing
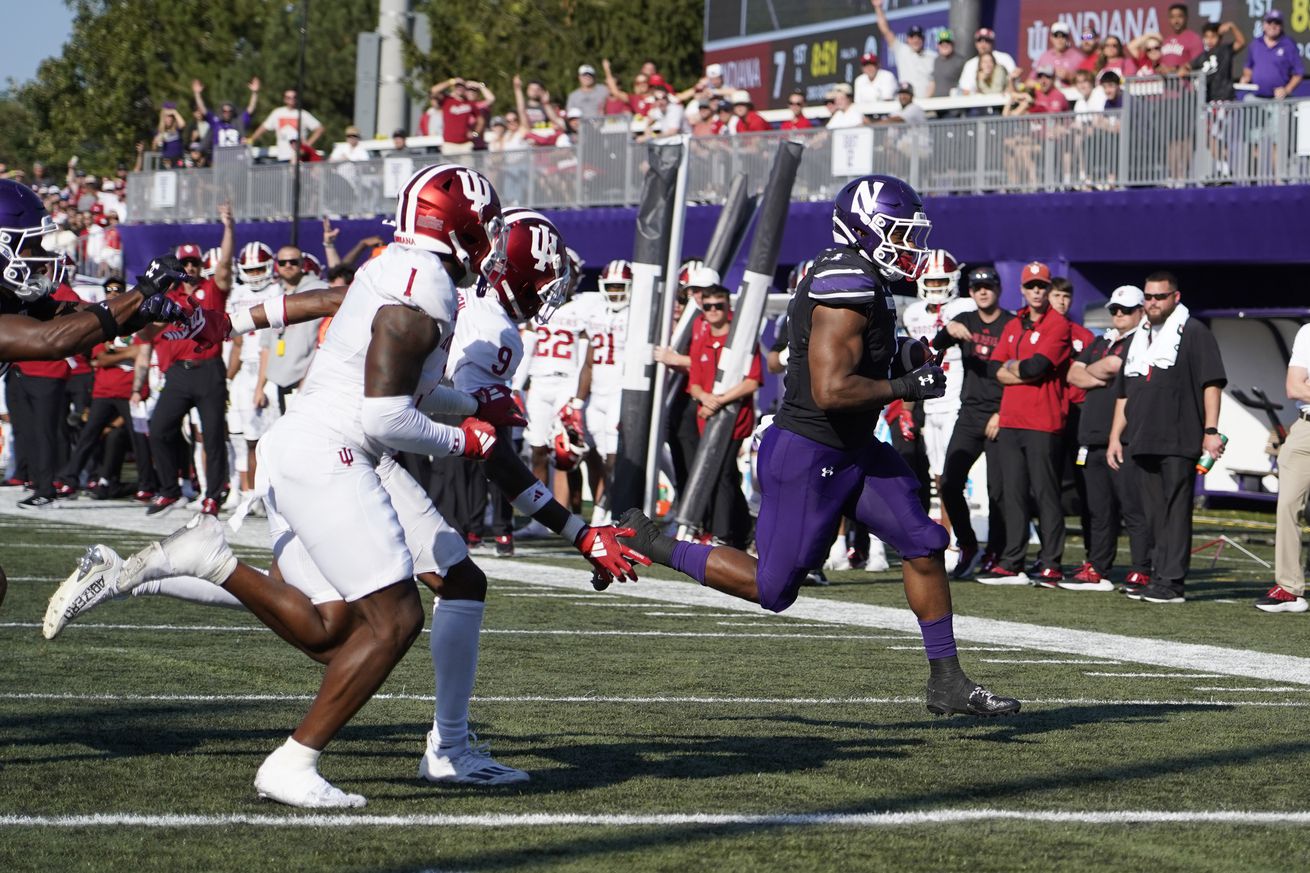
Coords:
pixel 1165 135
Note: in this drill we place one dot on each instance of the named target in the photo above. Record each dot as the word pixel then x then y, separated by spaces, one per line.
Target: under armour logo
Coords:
pixel 826 472
pixel 926 379
pixel 347 456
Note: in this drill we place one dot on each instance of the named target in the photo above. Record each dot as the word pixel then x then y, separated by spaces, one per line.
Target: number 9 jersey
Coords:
pixel 488 348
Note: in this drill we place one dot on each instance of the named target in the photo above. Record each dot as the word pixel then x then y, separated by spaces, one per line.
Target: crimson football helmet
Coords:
pixel 453 211
pixel 798 272
pixel 209 262
pixel 616 284
pixel 687 270
pixel 255 265
pixel 532 274
pixel 311 264
pixel 568 446
pixel 940 279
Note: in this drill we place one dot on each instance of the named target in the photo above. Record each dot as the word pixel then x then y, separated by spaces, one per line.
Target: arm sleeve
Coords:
pixel 1035 367
pixel 444 400
pixel 397 423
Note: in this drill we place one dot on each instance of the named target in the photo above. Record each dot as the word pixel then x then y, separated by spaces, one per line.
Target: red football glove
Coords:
pixel 897 415
pixel 496 406
pixel 572 417
pixel 206 326
pixel 479 438
pixel 609 558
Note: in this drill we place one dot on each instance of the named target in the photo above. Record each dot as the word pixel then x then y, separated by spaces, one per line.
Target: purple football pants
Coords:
pixel 806 488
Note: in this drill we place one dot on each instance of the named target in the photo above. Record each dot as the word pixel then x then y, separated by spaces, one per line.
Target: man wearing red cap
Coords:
pixel 874 83
pixel 1033 353
pixel 193 378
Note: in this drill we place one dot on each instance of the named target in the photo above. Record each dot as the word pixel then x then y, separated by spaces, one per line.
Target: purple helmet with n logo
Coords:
pixel 27 268
pixel 883 217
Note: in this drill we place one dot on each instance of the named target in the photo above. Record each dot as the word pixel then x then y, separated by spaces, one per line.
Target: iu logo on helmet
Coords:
pixel 347 456
pixel 865 201
pixel 544 247
pixel 476 188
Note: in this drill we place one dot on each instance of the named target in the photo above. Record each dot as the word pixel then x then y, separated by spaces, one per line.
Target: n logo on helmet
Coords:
pixel 544 247
pixel 865 200
pixel 476 188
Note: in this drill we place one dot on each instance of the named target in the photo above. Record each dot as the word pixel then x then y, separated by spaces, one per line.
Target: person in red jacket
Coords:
pixel 1034 354
pixel 729 514
pixel 744 117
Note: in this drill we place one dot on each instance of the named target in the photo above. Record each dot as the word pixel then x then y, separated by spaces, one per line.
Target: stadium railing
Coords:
pixel 1166 135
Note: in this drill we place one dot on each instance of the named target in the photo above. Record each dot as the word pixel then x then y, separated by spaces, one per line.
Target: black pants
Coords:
pixel 683 441
pixel 1030 463
pixel 77 395
pixel 101 414
pixel 38 404
pixel 459 491
pixel 1166 484
pixel 968 441
pixel 16 425
pixel 729 516
pixel 1072 473
pixel 1114 503
pixel 204 388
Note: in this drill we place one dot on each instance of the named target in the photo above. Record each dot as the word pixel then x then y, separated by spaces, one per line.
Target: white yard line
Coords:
pixel 857 820
pixel 1270 690
pixel 655 700
pixel 1154 675
pixel 1041 661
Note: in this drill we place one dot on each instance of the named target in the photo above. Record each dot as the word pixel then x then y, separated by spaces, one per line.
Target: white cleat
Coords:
pixel 471 765
pixel 837 557
pixel 93 582
pixel 199 549
pixel 533 530
pixel 300 787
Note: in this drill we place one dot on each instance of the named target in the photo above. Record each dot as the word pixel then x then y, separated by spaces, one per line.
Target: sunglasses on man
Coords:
pixel 1116 309
pixel 288 263
pixel 1158 297
pixel 1031 285
pixel 714 307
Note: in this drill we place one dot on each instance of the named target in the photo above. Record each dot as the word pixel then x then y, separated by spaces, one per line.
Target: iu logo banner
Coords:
pixel 347 456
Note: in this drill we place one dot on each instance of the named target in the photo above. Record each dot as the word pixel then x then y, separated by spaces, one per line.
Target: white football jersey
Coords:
pixel 334 388
pixel 924 320
pixel 557 351
pixel 244 297
pixel 487 348
pixel 608 332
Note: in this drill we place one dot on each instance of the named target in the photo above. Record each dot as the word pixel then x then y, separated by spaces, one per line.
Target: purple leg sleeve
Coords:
pixel 938 637
pixel 690 558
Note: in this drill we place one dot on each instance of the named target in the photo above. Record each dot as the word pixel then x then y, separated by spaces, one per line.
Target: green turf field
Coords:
pixel 668 728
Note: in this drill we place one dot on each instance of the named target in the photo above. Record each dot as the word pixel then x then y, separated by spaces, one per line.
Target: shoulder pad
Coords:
pixel 843 275
pixel 416 279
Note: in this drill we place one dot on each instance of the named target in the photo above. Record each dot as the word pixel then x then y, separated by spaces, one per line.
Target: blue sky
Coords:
pixel 35 30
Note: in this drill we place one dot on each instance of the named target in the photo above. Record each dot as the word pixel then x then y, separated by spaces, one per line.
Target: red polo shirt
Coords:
pixel 206 295
pixel 1041 405
pixel 62 368
pixel 1081 338
pixel 114 382
pixel 706 349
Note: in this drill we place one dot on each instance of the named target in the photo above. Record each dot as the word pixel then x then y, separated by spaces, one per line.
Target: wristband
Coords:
pixel 107 322
pixel 573 529
pixel 243 321
pixel 275 310
pixel 533 498
pixel 1211 431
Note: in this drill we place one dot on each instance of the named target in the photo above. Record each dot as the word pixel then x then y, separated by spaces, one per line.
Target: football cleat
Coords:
pixel 159 503
pixel 93 582
pixel 470 765
pixel 1087 579
pixel 816 577
pixel 955 697
pixel 1156 594
pixel 1279 599
pixel 305 788
pixel 1135 582
pixel 1049 577
pixel 199 549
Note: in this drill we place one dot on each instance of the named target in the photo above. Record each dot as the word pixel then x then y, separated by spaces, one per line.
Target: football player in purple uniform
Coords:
pixel 820 459
pixel 36 327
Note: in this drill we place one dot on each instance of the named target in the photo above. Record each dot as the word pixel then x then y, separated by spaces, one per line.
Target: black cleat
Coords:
pixel 968 698
pixel 649 540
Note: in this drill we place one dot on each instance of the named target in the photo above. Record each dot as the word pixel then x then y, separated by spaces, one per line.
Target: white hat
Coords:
pixel 1061 27
pixel 714 71
pixel 705 277
pixel 1127 296
pixel 739 97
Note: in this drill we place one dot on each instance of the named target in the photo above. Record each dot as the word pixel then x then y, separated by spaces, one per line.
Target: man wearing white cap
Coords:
pixel 588 98
pixel 1063 56
pixel 1111 494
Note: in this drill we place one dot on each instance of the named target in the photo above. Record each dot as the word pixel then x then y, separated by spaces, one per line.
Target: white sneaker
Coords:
pixel 301 787
pixel 533 530
pixel 93 582
pixel 471 765
pixel 837 559
pixel 198 549
pixel 877 562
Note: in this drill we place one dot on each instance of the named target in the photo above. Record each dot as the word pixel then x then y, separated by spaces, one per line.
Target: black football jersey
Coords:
pixel 840 277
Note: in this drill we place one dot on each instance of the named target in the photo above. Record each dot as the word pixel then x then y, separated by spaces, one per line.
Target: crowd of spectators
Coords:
pixel 86 208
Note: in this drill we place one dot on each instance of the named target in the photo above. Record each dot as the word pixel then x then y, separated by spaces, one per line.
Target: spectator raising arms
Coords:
pixel 226 128
pixel 289 124
pixel 461 116
pixel 168 136
pixel 913 61
pixel 1216 61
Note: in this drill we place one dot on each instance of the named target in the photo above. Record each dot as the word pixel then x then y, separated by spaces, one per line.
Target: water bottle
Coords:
pixel 1205 463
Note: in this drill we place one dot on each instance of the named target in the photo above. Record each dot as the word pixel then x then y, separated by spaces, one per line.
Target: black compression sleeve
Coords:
pixel 1034 367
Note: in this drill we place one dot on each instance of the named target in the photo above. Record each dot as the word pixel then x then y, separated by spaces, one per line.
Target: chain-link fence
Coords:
pixel 1166 134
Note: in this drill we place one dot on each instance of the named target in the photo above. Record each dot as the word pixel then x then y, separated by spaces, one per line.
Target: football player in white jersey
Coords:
pixel 316 615
pixel 938 303
pixel 607 330
pixel 246 421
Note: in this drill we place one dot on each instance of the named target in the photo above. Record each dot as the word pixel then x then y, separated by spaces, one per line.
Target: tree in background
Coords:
pixel 125 58
pixel 548 39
